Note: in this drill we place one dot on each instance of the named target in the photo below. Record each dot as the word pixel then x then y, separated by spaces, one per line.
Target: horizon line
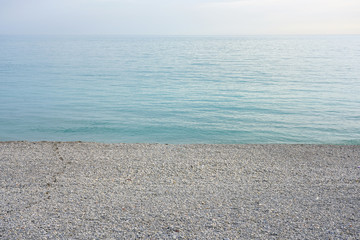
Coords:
pixel 177 35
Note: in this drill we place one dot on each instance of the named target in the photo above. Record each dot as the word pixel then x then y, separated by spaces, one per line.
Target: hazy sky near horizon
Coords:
pixel 180 17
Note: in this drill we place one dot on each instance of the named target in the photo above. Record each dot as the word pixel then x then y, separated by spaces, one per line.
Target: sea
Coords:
pixel 181 89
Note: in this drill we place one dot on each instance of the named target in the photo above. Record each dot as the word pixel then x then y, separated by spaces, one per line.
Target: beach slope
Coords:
pixel 76 190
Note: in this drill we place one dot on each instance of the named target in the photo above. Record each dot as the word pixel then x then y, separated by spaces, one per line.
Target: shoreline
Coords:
pixel 179 191
pixel 177 144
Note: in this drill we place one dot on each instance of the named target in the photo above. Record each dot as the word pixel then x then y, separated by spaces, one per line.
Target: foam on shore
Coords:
pixel 91 190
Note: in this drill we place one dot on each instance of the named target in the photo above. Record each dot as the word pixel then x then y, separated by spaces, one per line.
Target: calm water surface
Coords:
pixel 247 89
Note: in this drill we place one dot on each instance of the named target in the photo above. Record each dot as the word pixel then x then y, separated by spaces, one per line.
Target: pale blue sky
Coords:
pixel 180 17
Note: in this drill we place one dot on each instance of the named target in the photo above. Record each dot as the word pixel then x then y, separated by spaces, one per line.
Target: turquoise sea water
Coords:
pixel 167 89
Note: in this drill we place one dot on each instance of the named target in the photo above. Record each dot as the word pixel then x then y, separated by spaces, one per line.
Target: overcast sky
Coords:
pixel 180 17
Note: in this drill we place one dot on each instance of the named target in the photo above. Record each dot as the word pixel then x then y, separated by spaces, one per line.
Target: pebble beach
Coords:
pixel 78 190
